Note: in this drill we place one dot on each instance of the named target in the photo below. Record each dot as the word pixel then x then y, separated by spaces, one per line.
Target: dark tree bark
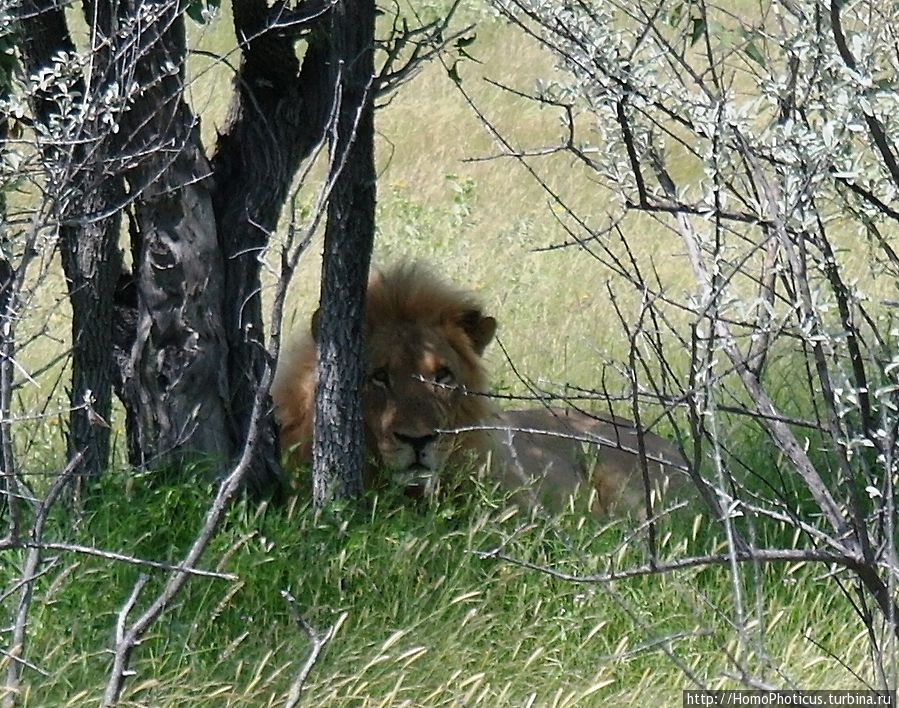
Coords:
pixel 279 114
pixel 178 387
pixel 83 192
pixel 7 337
pixel 92 264
pixel 175 385
pixel 7 355
pixel 338 445
pixel 165 354
pixel 182 337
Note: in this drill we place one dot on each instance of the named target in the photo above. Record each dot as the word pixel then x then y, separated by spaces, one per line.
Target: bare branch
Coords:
pixel 226 493
pixel 788 555
pixel 29 574
pixel 113 556
pixel 318 641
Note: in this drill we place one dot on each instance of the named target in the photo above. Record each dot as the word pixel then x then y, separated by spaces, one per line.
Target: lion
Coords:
pixel 427 410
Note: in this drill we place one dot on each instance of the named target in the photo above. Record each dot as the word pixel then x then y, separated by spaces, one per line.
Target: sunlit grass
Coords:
pixel 424 618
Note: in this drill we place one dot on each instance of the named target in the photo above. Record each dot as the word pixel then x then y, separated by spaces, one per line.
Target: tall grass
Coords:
pixel 427 620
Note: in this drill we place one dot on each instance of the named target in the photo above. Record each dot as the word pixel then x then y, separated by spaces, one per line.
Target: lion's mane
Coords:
pixel 403 295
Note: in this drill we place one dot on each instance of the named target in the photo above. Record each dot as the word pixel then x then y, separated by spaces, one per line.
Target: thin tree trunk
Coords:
pixel 338 444
pixel 7 355
pixel 92 264
pixel 7 344
pixel 88 236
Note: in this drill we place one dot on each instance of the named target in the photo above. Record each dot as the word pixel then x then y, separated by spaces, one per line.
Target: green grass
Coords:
pixel 425 619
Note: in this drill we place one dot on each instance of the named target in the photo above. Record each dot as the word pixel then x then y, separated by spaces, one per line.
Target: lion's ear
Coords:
pixel 314 324
pixel 479 329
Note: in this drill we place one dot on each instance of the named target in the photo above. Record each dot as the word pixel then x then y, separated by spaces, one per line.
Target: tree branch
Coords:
pixel 753 555
pixel 875 129
pixel 131 636
pixel 317 639
pixel 29 573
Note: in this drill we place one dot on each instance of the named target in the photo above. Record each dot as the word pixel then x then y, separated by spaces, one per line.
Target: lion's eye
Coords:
pixel 380 377
pixel 444 376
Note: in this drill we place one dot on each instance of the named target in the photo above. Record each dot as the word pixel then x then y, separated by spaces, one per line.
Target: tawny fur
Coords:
pixel 420 330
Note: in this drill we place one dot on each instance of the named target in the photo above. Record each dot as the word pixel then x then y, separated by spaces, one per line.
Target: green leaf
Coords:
pixel 8 61
pixel 698 30
pixel 752 51
pixel 463 42
pixel 196 10
pixel 751 47
pixel 466 55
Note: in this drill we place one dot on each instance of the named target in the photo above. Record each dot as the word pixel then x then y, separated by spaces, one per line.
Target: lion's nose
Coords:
pixel 416 442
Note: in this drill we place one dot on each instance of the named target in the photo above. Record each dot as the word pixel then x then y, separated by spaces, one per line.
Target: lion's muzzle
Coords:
pixel 421 446
pixel 418 461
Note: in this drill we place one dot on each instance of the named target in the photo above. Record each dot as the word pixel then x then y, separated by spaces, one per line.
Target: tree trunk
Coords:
pixel 83 192
pixel 178 386
pixel 176 383
pixel 7 340
pixel 183 337
pixel 7 355
pixel 278 116
pixel 92 264
pixel 338 444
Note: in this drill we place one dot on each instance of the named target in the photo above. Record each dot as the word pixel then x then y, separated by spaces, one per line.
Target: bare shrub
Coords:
pixel 760 143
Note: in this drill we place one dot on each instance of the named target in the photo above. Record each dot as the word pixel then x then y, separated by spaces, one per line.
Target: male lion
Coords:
pixel 426 410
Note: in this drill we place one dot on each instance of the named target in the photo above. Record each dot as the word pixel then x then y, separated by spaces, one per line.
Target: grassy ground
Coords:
pixel 424 620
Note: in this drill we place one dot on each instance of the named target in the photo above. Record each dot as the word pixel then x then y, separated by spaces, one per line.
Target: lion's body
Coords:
pixel 426 409
pixel 560 454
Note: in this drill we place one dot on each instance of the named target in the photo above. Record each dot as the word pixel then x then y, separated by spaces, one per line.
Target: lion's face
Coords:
pixel 424 375
pixel 422 380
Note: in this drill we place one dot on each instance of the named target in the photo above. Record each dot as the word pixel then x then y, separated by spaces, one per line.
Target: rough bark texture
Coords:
pixel 182 337
pixel 179 384
pixel 338 445
pixel 176 385
pixel 92 264
pixel 278 116
pixel 7 354
pixel 7 342
pixel 83 192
